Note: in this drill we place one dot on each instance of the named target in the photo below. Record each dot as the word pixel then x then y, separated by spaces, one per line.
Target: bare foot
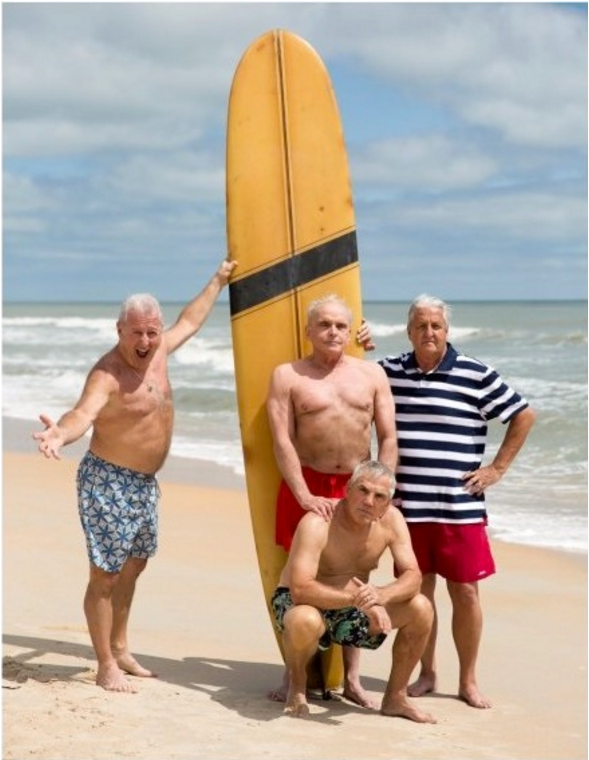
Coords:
pixel 112 678
pixel 277 695
pixel 358 695
pixel 297 707
pixel 402 708
pixel 129 664
pixel 472 696
pixel 423 685
pixel 280 694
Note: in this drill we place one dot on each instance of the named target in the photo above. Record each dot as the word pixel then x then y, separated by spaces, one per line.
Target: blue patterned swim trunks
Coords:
pixel 347 626
pixel 118 511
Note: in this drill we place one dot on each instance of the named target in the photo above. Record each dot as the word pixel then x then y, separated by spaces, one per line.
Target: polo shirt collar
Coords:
pixel 446 365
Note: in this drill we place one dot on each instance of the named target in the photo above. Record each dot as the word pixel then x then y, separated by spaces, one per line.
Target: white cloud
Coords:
pixel 114 119
pixel 172 178
pixel 518 68
pixel 434 162
pixel 526 215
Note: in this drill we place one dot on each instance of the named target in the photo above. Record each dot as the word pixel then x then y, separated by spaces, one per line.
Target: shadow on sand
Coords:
pixel 237 685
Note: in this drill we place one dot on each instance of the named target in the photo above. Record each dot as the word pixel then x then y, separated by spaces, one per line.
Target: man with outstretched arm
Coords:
pixel 127 401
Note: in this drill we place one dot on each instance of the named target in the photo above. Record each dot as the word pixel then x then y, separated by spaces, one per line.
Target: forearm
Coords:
pixel 385 425
pixel 290 468
pixel 388 452
pixel 515 437
pixel 195 312
pixel 327 597
pixel 72 426
pixel 321 596
pixel 405 587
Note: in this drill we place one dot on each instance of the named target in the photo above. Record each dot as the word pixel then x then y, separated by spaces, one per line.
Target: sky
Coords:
pixel 465 123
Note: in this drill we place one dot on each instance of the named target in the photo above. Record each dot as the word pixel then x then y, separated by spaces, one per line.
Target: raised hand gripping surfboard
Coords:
pixel 291 228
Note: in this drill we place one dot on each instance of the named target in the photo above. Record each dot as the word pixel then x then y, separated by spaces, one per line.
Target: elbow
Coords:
pixel 411 582
pixel 526 418
pixel 297 593
pixel 416 581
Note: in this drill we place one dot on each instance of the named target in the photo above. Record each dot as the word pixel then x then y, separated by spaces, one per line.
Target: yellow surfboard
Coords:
pixel 291 228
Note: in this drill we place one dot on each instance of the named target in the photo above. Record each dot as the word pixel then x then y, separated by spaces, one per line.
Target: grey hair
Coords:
pixel 373 469
pixel 140 303
pixel 425 301
pixel 332 298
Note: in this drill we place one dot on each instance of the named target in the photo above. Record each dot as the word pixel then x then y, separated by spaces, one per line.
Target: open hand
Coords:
pixel 50 440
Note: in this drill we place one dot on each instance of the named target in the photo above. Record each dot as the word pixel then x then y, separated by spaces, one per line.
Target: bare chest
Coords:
pixel 337 394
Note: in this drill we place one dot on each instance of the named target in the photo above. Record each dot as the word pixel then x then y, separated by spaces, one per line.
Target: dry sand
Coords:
pixel 200 622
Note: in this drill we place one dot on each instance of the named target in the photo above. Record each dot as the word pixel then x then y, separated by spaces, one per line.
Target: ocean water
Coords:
pixel 538 347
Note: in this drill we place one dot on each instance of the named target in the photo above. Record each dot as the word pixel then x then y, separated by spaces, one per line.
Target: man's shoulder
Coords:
pixel 355 363
pixel 312 527
pixel 286 368
pixel 398 362
pixel 366 365
pixel 395 358
pixel 312 519
pixel 392 524
pixel 392 515
pixel 110 362
pixel 459 361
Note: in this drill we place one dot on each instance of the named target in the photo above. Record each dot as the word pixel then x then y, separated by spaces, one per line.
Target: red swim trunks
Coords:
pixel 459 553
pixel 289 511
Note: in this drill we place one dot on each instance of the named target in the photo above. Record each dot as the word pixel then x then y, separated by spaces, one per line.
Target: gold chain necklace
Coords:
pixel 149 386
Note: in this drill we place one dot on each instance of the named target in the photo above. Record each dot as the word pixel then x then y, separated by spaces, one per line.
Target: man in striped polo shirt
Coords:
pixel 443 401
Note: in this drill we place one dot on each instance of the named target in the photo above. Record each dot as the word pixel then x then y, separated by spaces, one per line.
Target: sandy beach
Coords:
pixel 200 622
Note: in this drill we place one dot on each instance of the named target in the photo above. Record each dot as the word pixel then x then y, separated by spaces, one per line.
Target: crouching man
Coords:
pixel 324 593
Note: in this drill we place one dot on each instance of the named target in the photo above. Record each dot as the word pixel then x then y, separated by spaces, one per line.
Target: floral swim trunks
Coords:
pixel 118 512
pixel 347 626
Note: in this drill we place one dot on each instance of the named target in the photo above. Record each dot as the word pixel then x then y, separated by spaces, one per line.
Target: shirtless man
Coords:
pixel 127 400
pixel 321 411
pixel 324 593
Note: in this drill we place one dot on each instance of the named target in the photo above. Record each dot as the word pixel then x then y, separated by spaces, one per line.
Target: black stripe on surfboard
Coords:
pixel 279 279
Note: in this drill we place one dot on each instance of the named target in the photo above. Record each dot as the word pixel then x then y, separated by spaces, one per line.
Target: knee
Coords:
pixel 139 565
pixel 422 610
pixel 102 582
pixel 465 595
pixel 135 566
pixel 303 623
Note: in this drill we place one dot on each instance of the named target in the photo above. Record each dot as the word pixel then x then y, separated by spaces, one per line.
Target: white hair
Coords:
pixel 332 298
pixel 140 303
pixel 425 301
pixel 373 469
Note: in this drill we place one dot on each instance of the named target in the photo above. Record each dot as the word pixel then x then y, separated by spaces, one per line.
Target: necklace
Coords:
pixel 149 386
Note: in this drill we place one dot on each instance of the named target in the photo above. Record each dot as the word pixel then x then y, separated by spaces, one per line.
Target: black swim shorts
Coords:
pixel 347 626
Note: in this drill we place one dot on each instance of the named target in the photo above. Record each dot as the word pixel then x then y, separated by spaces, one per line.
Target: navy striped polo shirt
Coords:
pixel 442 430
